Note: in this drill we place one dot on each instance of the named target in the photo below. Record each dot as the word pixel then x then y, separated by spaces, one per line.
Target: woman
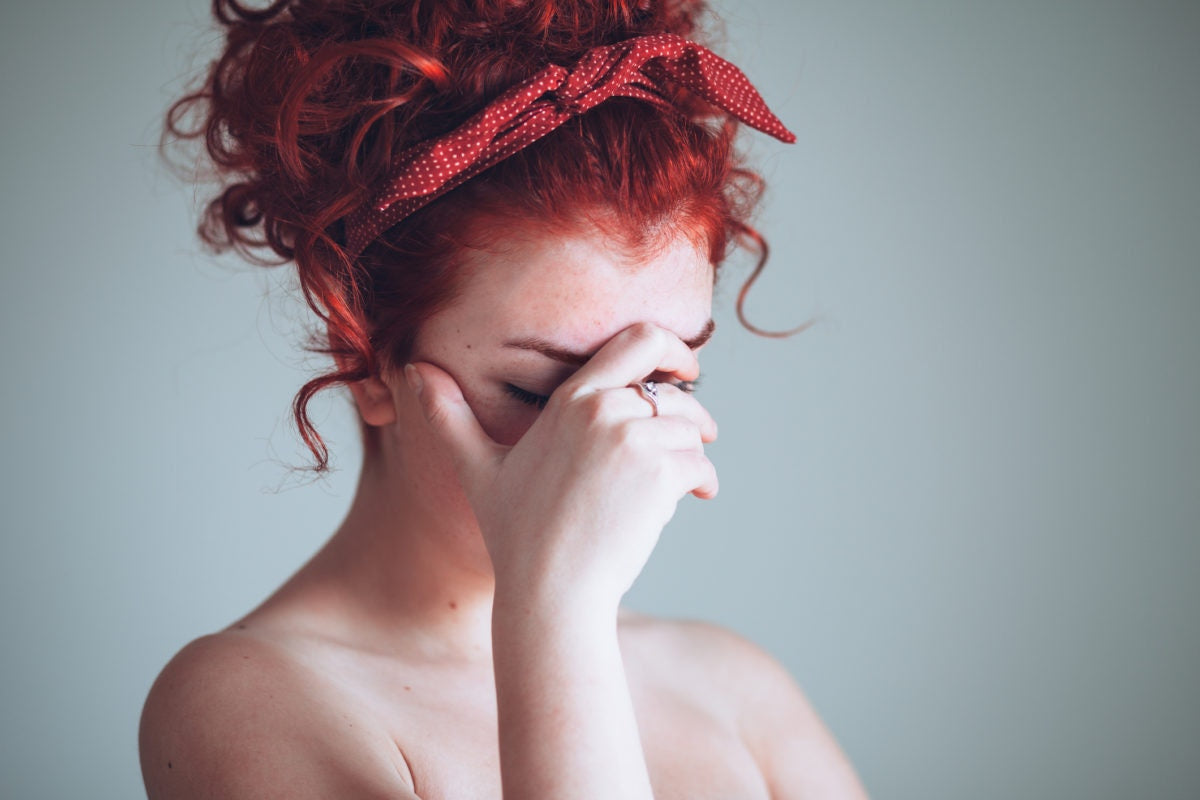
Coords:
pixel 509 217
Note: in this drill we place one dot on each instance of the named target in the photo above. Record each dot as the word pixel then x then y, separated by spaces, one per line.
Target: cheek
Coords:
pixel 504 421
pixel 503 418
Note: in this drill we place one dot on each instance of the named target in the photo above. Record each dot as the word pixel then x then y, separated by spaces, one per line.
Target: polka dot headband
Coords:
pixel 640 67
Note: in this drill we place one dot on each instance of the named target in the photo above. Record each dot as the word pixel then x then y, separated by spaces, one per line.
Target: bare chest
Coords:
pixel 448 736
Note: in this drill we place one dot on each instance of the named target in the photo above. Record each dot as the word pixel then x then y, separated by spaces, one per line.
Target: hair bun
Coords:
pixel 313 96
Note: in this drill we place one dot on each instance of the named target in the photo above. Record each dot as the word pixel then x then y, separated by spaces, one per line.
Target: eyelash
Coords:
pixel 527 397
pixel 533 399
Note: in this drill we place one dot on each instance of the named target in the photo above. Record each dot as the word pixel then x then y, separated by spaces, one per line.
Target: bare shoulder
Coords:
pixel 799 756
pixel 237 715
pixel 710 655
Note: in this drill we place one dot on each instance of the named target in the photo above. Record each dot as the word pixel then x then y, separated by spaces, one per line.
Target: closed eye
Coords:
pixel 527 397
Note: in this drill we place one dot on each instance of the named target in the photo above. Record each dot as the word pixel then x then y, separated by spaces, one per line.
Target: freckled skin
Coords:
pixel 576 292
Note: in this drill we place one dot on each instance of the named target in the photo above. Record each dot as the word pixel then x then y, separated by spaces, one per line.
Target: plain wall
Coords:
pixel 962 509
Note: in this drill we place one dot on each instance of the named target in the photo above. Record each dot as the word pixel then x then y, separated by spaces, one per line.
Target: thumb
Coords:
pixel 453 421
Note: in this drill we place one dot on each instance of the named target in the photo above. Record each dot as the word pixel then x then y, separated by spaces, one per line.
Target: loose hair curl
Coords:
pixel 304 110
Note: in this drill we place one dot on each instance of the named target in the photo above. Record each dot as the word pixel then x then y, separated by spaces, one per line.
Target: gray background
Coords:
pixel 962 509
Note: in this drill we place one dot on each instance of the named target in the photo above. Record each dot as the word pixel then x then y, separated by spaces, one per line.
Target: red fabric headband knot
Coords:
pixel 567 105
pixel 642 67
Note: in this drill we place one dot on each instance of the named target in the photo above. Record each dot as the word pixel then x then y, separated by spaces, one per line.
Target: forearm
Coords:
pixel 567 724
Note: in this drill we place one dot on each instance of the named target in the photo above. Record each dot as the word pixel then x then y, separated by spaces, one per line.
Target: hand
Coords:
pixel 577 505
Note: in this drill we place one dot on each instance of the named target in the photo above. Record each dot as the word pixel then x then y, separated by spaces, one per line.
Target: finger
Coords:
pixel 666 433
pixel 677 441
pixel 672 402
pixel 699 476
pixel 630 356
pixel 453 421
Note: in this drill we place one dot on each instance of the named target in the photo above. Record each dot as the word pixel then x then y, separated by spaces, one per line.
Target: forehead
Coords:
pixel 580 290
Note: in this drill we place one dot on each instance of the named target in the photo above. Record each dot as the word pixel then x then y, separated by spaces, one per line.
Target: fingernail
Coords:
pixel 414 378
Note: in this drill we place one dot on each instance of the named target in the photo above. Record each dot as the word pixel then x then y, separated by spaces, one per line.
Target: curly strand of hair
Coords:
pixel 304 424
pixel 231 220
pixel 333 290
pixel 401 58
pixel 751 239
pixel 336 298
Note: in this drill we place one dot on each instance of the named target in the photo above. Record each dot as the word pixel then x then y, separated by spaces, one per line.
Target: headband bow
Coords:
pixel 641 67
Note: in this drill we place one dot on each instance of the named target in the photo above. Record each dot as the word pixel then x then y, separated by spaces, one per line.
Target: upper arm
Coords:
pixel 233 719
pixel 798 755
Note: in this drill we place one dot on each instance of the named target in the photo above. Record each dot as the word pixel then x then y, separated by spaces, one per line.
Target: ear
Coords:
pixel 373 398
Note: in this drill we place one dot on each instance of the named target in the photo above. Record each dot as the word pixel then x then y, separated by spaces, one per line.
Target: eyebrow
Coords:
pixel 550 350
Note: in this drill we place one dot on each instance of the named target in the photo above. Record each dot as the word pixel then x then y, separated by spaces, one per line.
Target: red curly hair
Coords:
pixel 303 112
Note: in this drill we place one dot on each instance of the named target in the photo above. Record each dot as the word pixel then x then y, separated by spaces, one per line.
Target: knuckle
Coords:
pixel 625 435
pixel 590 408
pixel 437 414
pixel 684 427
pixel 644 331
pixel 703 464
pixel 666 478
pixel 569 391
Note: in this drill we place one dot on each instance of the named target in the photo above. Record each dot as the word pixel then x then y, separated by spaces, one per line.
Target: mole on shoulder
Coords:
pixel 408 688
pixel 168 765
pixel 453 604
pixel 241 627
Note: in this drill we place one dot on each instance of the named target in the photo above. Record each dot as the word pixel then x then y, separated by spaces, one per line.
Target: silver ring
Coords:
pixel 649 390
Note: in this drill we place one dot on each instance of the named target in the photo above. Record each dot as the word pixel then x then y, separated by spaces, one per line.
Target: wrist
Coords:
pixel 552 605
pixel 551 587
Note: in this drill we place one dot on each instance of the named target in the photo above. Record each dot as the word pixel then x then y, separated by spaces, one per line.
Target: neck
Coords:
pixel 407 570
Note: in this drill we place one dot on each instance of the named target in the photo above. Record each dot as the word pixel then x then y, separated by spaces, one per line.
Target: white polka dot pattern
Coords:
pixel 640 67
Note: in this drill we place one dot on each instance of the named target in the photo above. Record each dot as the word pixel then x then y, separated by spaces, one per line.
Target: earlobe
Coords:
pixel 374 400
pixel 372 396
